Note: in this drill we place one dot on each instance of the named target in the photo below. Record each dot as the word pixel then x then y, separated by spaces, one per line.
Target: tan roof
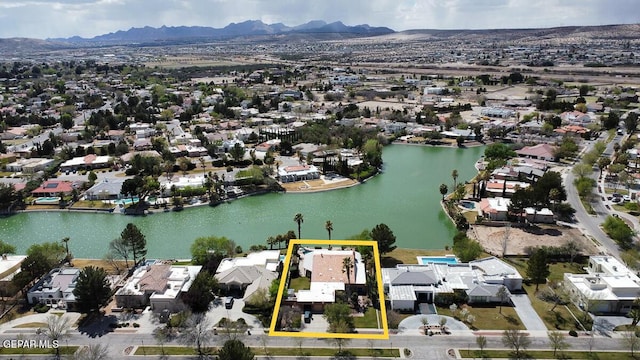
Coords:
pixel 156 278
pixel 328 268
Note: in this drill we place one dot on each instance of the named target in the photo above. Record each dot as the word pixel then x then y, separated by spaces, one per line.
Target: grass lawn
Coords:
pixel 300 283
pixel 183 350
pixel 560 318
pixel 608 190
pixel 542 354
pixel 369 320
pixel 107 266
pixel 92 205
pixel 490 318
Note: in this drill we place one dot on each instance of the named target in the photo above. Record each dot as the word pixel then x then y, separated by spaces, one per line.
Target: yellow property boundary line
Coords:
pixel 281 289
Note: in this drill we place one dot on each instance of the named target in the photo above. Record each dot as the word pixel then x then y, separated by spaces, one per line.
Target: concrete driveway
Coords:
pixel 527 314
pixel 604 325
pixel 216 313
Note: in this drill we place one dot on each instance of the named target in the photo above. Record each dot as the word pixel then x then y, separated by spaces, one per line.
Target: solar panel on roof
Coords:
pixel 51 186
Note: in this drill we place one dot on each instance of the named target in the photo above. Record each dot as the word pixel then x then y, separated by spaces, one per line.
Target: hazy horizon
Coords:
pixel 88 18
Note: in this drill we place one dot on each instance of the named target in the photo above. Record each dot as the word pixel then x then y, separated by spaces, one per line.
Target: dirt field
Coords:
pixel 317 185
pixel 491 238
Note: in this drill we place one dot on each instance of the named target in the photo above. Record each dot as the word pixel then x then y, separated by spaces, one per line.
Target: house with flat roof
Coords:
pixel 55 289
pixel 406 286
pixel 607 287
pixel 87 162
pixel 159 286
pixel 298 173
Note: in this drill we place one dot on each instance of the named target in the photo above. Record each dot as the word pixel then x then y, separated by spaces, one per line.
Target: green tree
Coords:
pixel 92 289
pixel 454 175
pixel 8 197
pixel 498 151
pixel 619 231
pixel 237 152
pixel 464 248
pixel 133 187
pixel 235 350
pixel 298 219
pixel 201 292
pixel 503 295
pixel 338 315
pixel 92 177
pixel 6 248
pixel 443 190
pixel 329 227
pixel 538 267
pixel 631 122
pixel 135 241
pixel 481 341
pixel 347 266
pixel 203 246
pixel 385 238
pixel 66 121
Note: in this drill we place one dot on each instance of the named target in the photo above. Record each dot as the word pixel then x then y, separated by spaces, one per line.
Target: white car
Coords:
pixel 626 198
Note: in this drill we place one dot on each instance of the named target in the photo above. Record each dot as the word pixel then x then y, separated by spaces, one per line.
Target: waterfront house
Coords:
pixel 160 286
pixel 324 268
pixel 107 189
pixel 298 173
pixel 55 289
pixel 407 286
pixel 495 208
pixel 250 273
pixel 53 188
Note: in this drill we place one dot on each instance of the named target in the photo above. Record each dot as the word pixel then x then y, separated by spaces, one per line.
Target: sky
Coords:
pixel 87 18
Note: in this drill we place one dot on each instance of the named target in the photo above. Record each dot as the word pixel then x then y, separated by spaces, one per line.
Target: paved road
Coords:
pixel 529 317
pixel 590 224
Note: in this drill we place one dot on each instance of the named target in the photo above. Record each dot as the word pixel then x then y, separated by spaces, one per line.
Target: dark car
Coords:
pixel 228 303
pixel 307 317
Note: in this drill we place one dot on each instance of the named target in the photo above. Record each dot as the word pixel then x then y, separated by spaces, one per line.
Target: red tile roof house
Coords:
pixel 540 151
pixel 53 188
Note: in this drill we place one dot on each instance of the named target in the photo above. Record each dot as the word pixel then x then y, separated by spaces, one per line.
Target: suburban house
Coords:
pixel 30 166
pixel 107 189
pixel 541 151
pixel 495 208
pixel 298 173
pixel 246 275
pixel 55 289
pixel 607 287
pixel 407 286
pixel 159 286
pixel 86 163
pixel 325 269
pixel 53 188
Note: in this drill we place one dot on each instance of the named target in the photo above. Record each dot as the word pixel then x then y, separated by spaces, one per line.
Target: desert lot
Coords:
pixel 491 237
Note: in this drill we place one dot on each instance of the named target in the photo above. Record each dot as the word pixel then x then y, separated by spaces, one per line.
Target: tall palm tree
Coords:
pixel 66 246
pixel 454 175
pixel 347 265
pixel 329 226
pixel 298 219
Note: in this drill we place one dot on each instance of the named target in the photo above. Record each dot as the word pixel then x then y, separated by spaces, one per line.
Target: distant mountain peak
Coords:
pixel 244 28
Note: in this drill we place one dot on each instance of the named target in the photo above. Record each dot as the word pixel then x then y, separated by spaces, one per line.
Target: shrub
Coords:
pixel 573 333
pixel 41 308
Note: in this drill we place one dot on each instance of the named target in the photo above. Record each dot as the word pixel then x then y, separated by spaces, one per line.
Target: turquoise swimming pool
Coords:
pixel 47 200
pixel 127 201
pixel 424 260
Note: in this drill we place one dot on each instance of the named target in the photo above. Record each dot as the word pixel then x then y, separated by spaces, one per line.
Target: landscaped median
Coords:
pixel 546 354
pixel 64 350
pixel 279 351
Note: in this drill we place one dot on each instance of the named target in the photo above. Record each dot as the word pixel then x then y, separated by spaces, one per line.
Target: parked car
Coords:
pixel 307 317
pixel 228 303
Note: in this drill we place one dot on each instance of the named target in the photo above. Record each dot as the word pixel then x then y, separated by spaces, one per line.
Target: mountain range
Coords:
pixel 233 30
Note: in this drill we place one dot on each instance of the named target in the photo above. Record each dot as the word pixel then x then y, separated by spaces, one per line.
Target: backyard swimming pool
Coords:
pixel 125 201
pixel 449 259
pixel 47 200
pixel 468 204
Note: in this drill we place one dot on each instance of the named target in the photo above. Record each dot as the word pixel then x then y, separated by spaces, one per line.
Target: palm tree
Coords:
pixel 454 175
pixel 329 226
pixel 298 220
pixel 443 190
pixel 66 246
pixel 347 265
